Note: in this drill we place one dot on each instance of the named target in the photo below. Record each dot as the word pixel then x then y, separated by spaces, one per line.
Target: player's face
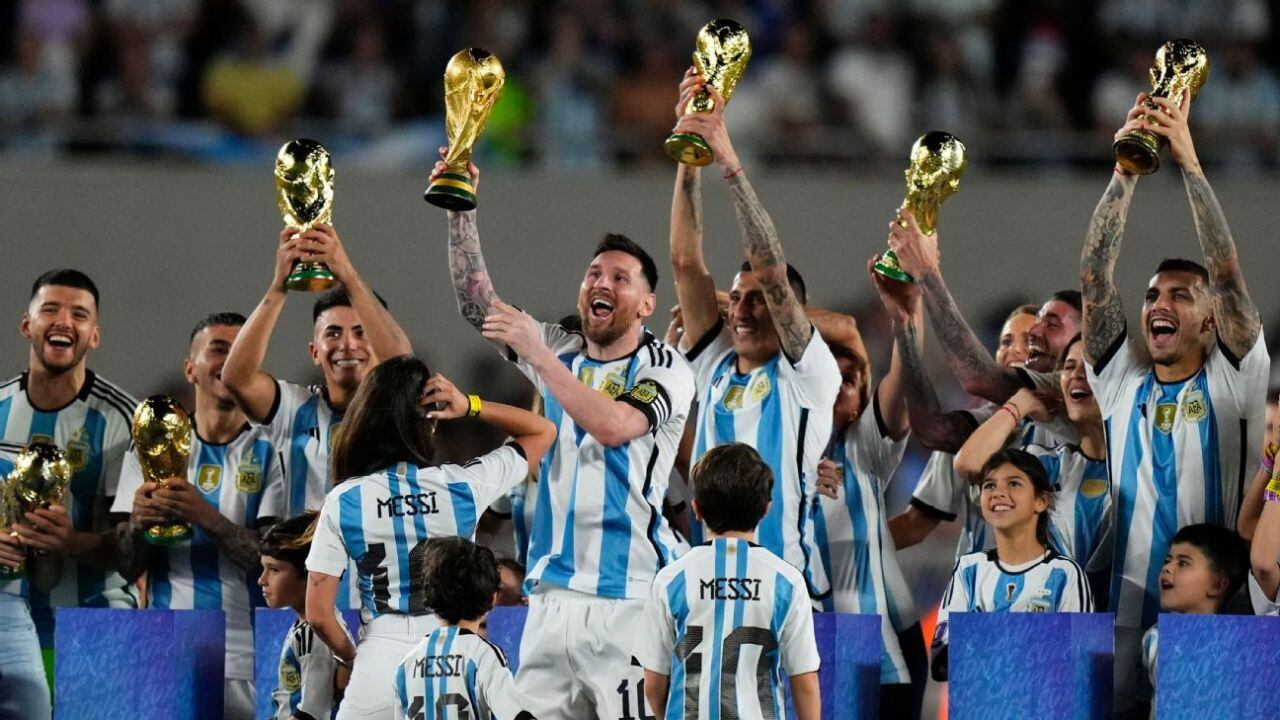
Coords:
pixel 1176 318
pixel 62 324
pixel 339 347
pixel 1009 499
pixel 1055 325
pixel 614 297
pixel 1273 424
pixel 750 324
pixel 1082 406
pixel 849 403
pixel 208 353
pixel 1015 340
pixel 1188 580
pixel 282 584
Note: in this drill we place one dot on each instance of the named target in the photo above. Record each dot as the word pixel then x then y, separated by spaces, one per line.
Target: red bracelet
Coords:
pixel 1013 412
pixel 733 173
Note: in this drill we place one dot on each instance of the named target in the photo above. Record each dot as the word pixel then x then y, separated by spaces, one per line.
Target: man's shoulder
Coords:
pixel 657 354
pixel 11 386
pixel 105 395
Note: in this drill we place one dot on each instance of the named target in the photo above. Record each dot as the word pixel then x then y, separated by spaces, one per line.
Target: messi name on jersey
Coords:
pixel 729 588
pixel 408 505
pixel 439 666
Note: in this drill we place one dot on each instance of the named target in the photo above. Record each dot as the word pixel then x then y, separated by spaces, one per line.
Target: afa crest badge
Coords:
pixel 249 475
pixel 1194 408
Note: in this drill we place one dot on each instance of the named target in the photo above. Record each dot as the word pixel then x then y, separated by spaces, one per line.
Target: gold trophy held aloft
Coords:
pixel 473 82
pixel 938 159
pixel 1181 65
pixel 162 439
pixel 39 478
pixel 304 191
pixel 720 56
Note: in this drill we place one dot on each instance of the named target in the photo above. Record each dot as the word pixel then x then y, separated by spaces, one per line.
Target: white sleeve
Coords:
pixel 814 376
pixel 315 661
pixel 499 689
pixel 273 500
pixel 1243 379
pixel 797 645
pixel 557 338
pixel 117 445
pixel 130 481
pixel 328 553
pixel 289 397
pixel 874 450
pixel 706 352
pixel 1150 657
pixel 656 640
pixel 663 388
pixel 1110 376
pixel 1262 605
pixel 1076 596
pixel 491 475
pixel 939 492
pixel 955 599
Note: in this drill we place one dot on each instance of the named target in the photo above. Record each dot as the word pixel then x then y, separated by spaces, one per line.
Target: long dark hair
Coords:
pixel 386 423
pixel 1035 472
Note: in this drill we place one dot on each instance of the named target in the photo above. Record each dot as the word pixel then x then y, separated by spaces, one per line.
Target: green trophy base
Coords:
pixel 689 148
pixel 1138 152
pixel 172 534
pixel 889 267
pixel 452 191
pixel 7 574
pixel 310 277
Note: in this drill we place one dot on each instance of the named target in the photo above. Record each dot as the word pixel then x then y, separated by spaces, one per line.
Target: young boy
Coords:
pixel 305 689
pixel 705 609
pixel 1205 567
pixel 454 667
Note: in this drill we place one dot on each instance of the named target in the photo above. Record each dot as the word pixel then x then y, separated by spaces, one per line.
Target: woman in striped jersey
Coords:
pixel 391 497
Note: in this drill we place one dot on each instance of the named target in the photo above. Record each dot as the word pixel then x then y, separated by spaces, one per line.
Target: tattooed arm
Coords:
pixel 933 427
pixel 1103 312
pixel 764 251
pixel 471 283
pixel 240 544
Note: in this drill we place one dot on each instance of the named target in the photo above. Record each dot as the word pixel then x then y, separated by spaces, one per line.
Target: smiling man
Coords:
pixel 60 401
pixel 1184 402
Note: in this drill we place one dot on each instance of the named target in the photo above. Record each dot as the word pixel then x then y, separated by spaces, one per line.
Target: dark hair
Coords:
pixel 860 366
pixel 1026 463
pixel 230 319
pixel 1183 265
pixel 66 277
pixel 622 243
pixel 793 279
pixel 732 487
pixel 1070 297
pixel 1024 309
pixel 516 568
pixel 1066 349
pixel 459 578
pixel 290 540
pixel 385 423
pixel 1227 553
pixel 337 297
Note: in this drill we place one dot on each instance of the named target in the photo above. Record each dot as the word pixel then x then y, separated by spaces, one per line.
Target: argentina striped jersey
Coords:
pixel 1080 523
pixel 454 673
pixel 304 679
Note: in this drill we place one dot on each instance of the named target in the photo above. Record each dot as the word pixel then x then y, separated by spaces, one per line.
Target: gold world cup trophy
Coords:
pixel 938 159
pixel 473 82
pixel 162 439
pixel 304 191
pixel 39 479
pixel 720 56
pixel 1181 65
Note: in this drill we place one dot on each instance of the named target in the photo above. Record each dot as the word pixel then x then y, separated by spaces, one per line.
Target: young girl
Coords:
pixel 391 497
pixel 1080 521
pixel 1022 573
pixel 305 683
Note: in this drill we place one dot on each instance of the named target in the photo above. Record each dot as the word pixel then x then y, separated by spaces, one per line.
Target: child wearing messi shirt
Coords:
pixel 454 667
pixel 729 601
pixel 1022 573
pixel 307 687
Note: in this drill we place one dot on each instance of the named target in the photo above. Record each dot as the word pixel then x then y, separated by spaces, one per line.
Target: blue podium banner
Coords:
pixel 1034 665
pixel 506 625
pixel 131 664
pixel 270 628
pixel 1217 666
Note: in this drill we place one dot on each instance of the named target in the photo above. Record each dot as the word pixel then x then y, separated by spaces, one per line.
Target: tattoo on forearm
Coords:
pixel 1238 321
pixel 691 188
pixel 935 427
pixel 1103 311
pixel 764 252
pixel 969 360
pixel 466 266
pixel 239 543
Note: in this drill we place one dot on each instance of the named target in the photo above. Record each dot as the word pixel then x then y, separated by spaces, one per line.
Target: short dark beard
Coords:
pixel 605 336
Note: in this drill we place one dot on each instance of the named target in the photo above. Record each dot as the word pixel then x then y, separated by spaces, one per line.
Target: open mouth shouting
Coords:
pixel 1165 584
pixel 1078 393
pixel 1162 330
pixel 600 309
pixel 60 339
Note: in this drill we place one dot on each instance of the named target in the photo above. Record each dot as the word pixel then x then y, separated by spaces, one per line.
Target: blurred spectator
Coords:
pixel 55 32
pixel 362 87
pixel 1239 108
pixel 791 90
pixel 952 96
pixel 1118 86
pixel 250 90
pixel 148 37
pixel 875 80
pixel 570 82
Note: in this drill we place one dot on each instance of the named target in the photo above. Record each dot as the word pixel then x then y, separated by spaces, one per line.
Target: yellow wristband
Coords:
pixel 475 405
pixel 1274 485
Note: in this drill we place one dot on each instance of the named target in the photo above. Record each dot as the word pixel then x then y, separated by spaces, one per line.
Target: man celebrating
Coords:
pixel 59 400
pixel 764 375
pixel 1185 406
pixel 233 486
pixel 619 398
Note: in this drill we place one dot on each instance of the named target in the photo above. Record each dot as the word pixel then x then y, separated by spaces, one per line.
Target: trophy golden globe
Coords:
pixel 39 478
pixel 720 56
pixel 162 440
pixel 1181 65
pixel 938 159
pixel 304 191
pixel 473 82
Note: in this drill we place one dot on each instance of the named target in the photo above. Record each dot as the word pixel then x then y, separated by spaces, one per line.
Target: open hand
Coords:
pixel 441 167
pixel 514 328
pixel 443 400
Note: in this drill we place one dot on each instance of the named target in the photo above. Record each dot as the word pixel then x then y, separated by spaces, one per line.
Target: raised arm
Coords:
pixel 1264 551
pixel 837 328
pixel 252 387
pixel 1233 308
pixel 902 302
pixel 470 277
pixel 695 287
pixel 993 435
pixel 532 432
pixel 759 237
